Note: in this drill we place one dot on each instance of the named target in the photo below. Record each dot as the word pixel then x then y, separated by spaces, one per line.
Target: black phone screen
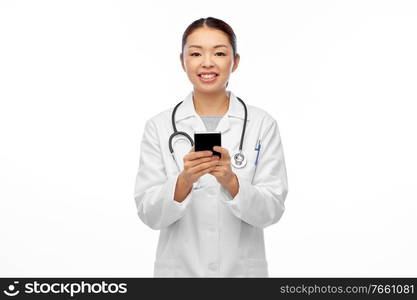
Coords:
pixel 207 140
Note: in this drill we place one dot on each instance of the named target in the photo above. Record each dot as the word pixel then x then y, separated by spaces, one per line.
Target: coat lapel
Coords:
pixel 188 120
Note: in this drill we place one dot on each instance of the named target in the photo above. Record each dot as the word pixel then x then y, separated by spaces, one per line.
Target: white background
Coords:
pixel 78 80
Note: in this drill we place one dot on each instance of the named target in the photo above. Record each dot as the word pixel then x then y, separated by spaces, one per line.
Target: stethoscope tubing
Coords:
pixel 171 149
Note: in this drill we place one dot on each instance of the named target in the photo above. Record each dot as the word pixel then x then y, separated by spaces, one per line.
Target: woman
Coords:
pixel 211 212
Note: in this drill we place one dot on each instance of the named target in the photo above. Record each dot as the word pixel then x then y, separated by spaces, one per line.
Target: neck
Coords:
pixel 213 104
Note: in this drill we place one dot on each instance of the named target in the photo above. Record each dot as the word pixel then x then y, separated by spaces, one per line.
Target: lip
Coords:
pixel 208 73
pixel 208 80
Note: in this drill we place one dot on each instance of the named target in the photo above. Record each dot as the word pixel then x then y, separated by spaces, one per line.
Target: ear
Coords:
pixel 182 61
pixel 236 62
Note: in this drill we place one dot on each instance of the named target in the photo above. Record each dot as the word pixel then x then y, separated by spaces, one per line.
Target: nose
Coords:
pixel 207 61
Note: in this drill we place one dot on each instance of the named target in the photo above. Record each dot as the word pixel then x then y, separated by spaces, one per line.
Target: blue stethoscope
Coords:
pixel 239 159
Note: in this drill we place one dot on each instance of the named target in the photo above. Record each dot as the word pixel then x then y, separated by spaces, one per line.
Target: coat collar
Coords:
pixel 187 111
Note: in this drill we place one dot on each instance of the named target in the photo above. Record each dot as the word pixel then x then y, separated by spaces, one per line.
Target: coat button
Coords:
pixel 213 266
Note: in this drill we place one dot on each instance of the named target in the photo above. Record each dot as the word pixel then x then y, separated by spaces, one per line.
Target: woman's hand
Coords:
pixel 197 164
pixel 223 172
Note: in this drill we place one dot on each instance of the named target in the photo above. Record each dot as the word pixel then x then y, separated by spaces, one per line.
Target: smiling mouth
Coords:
pixel 208 76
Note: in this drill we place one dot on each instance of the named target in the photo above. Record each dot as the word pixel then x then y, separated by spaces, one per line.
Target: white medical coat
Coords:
pixel 211 234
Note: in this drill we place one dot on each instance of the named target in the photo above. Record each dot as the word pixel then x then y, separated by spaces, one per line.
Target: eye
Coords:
pixel 221 53
pixel 193 54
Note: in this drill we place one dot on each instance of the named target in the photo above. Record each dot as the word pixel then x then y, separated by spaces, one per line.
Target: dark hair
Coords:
pixel 212 23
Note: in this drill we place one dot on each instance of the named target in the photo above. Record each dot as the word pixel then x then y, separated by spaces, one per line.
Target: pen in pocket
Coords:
pixel 257 148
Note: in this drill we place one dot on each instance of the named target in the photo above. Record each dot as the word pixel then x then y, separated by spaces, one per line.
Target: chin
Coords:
pixel 208 88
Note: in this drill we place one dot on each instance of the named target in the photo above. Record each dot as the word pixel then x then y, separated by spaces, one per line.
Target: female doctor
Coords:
pixel 211 212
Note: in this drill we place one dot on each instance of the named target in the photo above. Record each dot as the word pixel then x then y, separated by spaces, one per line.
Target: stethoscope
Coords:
pixel 239 159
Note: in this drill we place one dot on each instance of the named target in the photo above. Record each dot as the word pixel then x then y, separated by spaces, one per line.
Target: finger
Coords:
pixel 195 162
pixel 216 172
pixel 203 166
pixel 192 155
pixel 219 169
pixel 206 171
pixel 224 153
pixel 199 154
pixel 221 162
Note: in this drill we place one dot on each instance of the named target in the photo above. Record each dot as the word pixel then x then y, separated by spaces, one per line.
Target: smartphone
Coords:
pixel 207 140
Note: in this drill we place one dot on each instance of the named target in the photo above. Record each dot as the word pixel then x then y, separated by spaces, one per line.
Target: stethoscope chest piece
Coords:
pixel 239 160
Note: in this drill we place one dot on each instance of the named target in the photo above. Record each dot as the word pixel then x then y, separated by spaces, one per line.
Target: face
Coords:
pixel 208 59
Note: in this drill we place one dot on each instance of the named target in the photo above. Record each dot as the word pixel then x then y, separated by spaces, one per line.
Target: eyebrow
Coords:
pixel 217 46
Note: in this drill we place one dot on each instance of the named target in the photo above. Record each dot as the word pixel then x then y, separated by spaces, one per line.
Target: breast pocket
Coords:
pixel 248 171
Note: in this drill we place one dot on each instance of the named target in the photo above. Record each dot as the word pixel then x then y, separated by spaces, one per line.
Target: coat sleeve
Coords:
pixel 260 202
pixel 154 190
